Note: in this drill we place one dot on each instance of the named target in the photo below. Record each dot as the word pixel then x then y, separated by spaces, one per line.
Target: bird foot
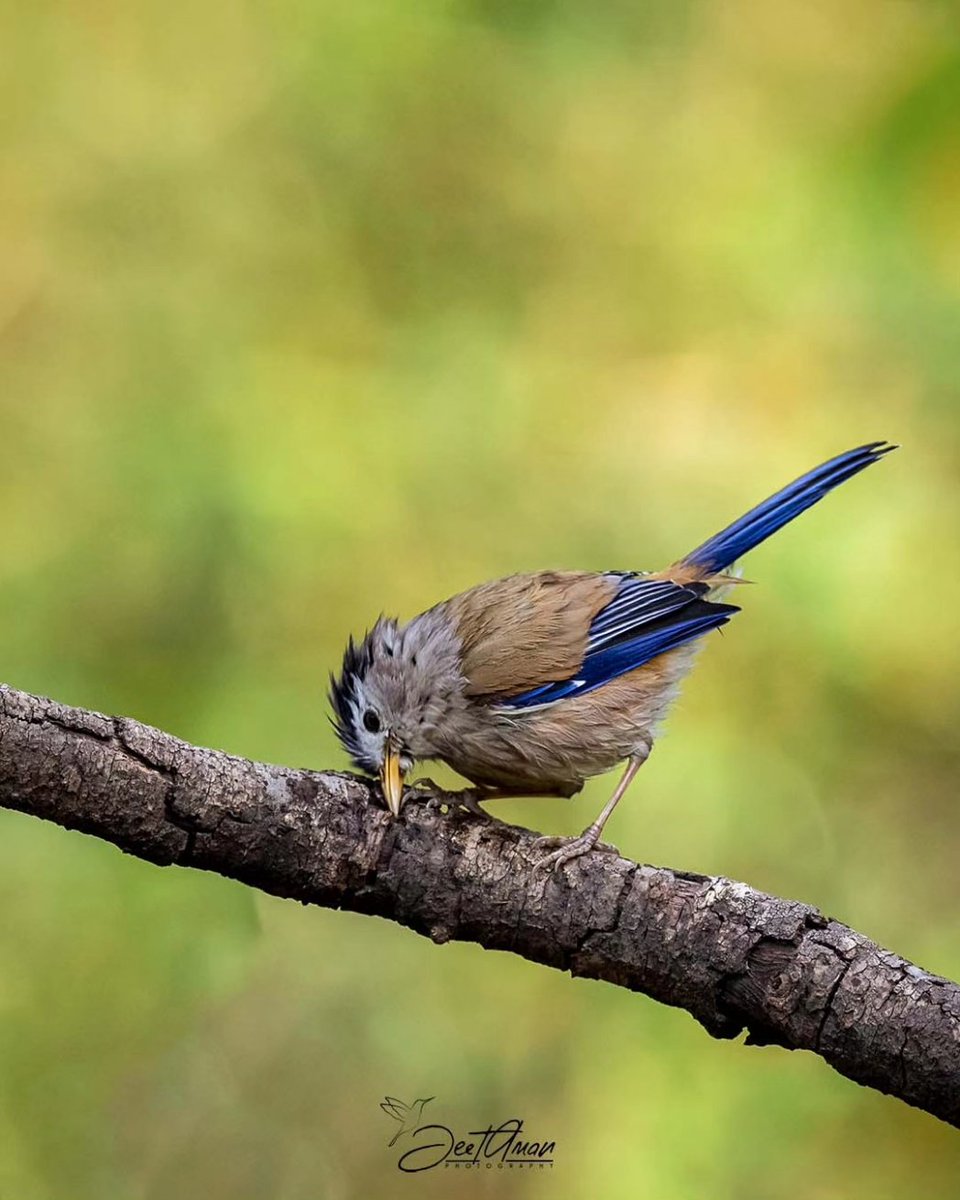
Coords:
pixel 437 799
pixel 469 799
pixel 570 848
pixel 425 791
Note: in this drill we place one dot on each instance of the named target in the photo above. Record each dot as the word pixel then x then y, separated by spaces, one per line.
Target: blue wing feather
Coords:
pixel 647 617
pixel 639 601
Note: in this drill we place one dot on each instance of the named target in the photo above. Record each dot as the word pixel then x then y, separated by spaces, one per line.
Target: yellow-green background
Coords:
pixel 313 309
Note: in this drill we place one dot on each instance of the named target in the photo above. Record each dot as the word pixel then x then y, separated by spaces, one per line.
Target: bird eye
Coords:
pixel 371 722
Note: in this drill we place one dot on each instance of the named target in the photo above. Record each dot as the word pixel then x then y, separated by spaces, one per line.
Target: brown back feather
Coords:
pixel 525 630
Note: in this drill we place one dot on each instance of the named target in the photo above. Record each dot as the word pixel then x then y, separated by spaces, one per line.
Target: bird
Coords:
pixel 534 683
pixel 409 1115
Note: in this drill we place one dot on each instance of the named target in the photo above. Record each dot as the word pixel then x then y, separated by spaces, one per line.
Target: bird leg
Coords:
pixel 571 848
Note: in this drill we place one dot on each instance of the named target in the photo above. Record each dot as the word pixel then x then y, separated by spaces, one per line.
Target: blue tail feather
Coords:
pixel 724 548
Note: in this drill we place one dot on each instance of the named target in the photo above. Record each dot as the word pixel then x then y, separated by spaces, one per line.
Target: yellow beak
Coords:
pixel 391 780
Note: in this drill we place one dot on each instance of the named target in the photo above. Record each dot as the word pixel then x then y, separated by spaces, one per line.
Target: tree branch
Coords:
pixel 732 957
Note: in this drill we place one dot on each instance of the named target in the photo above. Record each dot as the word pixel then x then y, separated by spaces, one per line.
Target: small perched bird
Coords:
pixel 531 684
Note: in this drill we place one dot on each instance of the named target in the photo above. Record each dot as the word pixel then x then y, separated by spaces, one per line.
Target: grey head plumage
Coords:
pixel 395 688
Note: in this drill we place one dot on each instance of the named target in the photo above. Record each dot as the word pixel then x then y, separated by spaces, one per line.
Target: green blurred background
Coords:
pixel 310 310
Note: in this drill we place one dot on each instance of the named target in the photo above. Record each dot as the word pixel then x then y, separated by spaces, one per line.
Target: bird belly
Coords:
pixel 555 749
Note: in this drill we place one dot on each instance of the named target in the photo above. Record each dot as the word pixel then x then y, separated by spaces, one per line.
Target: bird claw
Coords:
pixel 568 849
pixel 424 790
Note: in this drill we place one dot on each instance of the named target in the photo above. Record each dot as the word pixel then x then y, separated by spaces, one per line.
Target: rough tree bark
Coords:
pixel 731 956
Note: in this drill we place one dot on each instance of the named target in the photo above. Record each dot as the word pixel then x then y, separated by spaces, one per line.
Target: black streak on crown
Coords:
pixel 357 660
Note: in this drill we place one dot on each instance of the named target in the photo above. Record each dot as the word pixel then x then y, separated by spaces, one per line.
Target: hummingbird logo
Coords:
pixel 409 1115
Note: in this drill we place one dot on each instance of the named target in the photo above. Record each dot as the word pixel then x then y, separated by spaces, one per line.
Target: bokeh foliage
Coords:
pixel 310 310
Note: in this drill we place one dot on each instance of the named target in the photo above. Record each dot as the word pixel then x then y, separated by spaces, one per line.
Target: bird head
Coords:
pixel 393 689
